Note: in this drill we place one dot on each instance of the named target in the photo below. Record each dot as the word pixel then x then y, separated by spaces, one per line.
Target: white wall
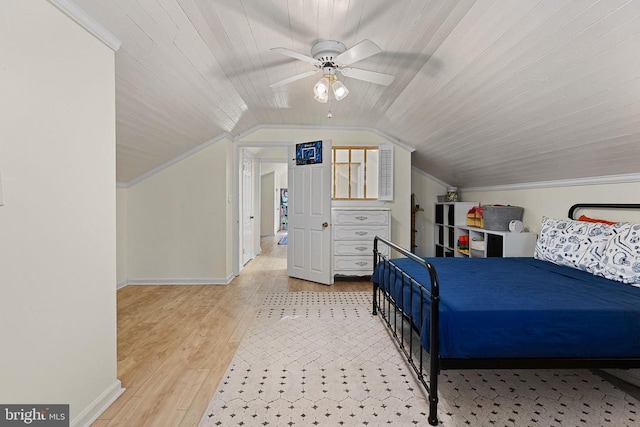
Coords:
pixel 229 211
pixel 256 208
pixel 555 201
pixel 122 232
pixel 268 206
pixel 552 199
pixel 57 225
pixel 400 207
pixel 426 188
pixel 179 219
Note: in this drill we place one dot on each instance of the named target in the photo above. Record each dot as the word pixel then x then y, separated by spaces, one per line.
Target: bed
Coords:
pixel 471 313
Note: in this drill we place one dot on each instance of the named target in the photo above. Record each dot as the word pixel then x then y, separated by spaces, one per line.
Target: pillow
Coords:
pixel 575 244
pixel 621 258
pixel 603 221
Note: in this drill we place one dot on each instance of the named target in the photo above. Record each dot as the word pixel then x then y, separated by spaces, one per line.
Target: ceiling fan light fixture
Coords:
pixel 322 88
pixel 339 90
pixel 331 57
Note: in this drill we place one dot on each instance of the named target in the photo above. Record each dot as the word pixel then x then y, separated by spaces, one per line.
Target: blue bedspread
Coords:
pixel 520 308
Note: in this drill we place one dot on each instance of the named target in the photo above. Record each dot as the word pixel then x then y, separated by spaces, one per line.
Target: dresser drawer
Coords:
pixel 359 232
pixel 346 247
pixel 361 264
pixel 345 217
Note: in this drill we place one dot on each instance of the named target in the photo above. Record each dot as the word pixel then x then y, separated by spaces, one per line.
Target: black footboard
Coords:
pixel 402 325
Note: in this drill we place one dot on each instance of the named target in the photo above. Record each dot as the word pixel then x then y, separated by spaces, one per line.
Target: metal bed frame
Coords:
pixel 390 312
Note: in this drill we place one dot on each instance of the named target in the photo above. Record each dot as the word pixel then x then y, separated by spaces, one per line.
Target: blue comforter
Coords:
pixel 519 308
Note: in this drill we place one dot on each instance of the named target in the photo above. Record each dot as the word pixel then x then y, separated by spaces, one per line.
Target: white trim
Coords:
pixel 235 208
pixel 181 281
pixel 121 284
pixel 597 180
pixel 431 177
pixel 83 19
pixel 122 185
pixel 326 128
pixel 262 144
pixel 99 405
pixel 176 159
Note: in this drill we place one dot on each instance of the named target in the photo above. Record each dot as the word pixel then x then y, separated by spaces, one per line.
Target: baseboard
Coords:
pixel 181 281
pixel 98 406
pixel 121 284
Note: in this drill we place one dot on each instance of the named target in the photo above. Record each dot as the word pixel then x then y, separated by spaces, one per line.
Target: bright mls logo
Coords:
pixel 34 415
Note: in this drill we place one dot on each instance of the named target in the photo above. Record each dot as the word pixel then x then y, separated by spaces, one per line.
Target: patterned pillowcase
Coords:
pixel 621 257
pixel 575 244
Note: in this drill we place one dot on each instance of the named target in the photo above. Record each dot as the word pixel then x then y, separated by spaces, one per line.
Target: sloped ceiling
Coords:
pixel 489 92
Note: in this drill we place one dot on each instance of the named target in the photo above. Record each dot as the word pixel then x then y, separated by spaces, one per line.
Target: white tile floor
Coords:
pixel 322 359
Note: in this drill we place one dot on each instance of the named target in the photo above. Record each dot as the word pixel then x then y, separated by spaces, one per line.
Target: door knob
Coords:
pixel 325 224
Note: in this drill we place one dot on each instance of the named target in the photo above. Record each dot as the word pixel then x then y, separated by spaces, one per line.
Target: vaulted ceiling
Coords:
pixel 489 92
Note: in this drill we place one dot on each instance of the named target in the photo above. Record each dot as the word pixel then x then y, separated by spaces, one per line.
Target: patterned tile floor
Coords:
pixel 320 358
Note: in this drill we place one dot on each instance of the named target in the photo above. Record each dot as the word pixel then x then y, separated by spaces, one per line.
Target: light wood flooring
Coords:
pixel 176 342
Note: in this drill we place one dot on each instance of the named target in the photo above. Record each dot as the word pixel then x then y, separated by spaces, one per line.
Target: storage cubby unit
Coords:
pixel 447 216
pixel 487 243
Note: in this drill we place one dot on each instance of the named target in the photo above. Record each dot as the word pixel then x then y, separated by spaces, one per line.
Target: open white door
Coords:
pixel 309 243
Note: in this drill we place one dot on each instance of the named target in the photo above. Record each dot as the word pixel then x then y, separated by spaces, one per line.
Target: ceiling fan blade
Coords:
pixel 368 76
pixel 296 55
pixel 294 78
pixel 362 50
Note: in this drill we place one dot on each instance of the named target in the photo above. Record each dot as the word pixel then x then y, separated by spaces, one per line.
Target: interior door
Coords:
pixel 309 251
pixel 247 209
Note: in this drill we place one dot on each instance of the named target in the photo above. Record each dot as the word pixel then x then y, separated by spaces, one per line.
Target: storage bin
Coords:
pixel 497 217
pixel 477 245
pixel 474 217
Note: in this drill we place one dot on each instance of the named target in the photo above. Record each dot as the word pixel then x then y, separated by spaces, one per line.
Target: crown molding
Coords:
pixel 597 180
pixel 87 22
pixel 431 177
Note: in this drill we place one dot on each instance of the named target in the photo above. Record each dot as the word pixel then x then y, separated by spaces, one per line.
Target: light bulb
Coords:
pixel 339 90
pixel 322 87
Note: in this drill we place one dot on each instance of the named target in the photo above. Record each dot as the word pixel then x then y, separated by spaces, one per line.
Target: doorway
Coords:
pixel 262 173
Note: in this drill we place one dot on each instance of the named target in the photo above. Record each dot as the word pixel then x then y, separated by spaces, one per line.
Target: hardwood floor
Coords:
pixel 176 342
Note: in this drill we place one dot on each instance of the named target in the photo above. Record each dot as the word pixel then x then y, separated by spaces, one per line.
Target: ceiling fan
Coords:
pixel 329 57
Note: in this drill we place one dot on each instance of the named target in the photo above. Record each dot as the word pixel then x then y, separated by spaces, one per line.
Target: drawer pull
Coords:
pixel 361 248
pixel 362 263
pixel 362 218
pixel 362 233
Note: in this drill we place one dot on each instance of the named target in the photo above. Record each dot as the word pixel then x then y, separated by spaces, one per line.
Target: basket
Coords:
pixel 497 217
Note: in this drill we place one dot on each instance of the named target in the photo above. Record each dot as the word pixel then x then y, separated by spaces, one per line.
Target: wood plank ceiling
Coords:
pixel 489 92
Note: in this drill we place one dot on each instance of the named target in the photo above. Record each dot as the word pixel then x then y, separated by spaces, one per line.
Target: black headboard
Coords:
pixel 577 206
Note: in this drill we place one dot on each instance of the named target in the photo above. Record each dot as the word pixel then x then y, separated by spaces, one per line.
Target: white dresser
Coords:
pixel 353 233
